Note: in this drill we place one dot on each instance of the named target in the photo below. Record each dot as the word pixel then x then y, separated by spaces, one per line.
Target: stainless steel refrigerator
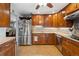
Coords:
pixel 24 31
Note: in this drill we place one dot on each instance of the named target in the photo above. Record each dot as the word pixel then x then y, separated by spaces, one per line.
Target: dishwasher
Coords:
pixel 59 42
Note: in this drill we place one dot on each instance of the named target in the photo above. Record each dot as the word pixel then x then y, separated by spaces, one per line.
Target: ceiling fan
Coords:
pixel 47 4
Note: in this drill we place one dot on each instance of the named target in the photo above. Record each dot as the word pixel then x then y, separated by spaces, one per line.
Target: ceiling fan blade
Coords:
pixel 49 5
pixel 37 7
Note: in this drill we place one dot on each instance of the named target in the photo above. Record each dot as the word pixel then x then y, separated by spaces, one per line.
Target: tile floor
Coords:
pixel 38 50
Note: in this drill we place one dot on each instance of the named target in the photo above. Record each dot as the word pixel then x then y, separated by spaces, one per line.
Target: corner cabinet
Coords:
pixel 8 48
pixel 4 14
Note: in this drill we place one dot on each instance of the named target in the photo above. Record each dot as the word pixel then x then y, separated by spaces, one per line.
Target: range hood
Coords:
pixel 72 16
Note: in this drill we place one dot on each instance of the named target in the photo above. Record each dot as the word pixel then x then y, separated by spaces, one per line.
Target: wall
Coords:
pixel 2 32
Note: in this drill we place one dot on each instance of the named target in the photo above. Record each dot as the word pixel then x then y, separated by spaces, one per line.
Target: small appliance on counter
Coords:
pixel 10 32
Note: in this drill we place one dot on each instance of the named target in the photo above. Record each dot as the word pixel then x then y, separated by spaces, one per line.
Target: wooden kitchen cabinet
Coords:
pixel 44 20
pixel 40 38
pixel 44 38
pixel 48 22
pixel 51 38
pixel 7 48
pixel 37 20
pixel 4 14
pixel 70 8
pixel 70 47
pixel 60 20
pixel 55 20
pixel 59 42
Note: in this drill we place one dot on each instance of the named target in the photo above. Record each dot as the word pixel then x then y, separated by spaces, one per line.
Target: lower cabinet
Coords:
pixel 51 38
pixel 39 38
pixel 7 48
pixel 70 47
pixel 44 38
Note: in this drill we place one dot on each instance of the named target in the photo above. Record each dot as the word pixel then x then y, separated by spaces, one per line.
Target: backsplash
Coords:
pixel 51 30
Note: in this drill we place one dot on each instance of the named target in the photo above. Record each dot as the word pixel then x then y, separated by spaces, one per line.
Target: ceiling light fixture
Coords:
pixel 49 15
pixel 63 12
pixel 44 4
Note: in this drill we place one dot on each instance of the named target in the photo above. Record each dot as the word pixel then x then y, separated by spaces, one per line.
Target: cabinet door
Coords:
pixel 65 51
pixel 4 15
pixel 55 21
pixel 7 51
pixel 48 20
pixel 78 5
pixel 51 39
pixel 37 20
pixel 61 21
pixel 71 7
pixel 42 39
pixel 69 48
pixel 12 50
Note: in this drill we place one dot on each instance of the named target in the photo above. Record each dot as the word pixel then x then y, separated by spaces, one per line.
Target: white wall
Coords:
pixel 2 32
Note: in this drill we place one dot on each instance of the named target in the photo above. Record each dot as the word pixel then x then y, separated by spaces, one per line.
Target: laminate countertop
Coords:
pixel 64 34
pixel 5 39
pixel 68 36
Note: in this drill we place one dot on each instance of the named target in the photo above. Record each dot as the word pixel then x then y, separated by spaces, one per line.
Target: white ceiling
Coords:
pixel 27 8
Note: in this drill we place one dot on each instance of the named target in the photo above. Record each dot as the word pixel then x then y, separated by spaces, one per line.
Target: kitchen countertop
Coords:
pixel 68 36
pixel 5 39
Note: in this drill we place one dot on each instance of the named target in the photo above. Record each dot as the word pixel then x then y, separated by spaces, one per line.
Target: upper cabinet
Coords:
pixel 4 14
pixel 55 24
pixel 78 5
pixel 57 19
pixel 44 20
pixel 37 20
pixel 70 8
pixel 60 19
pixel 48 20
